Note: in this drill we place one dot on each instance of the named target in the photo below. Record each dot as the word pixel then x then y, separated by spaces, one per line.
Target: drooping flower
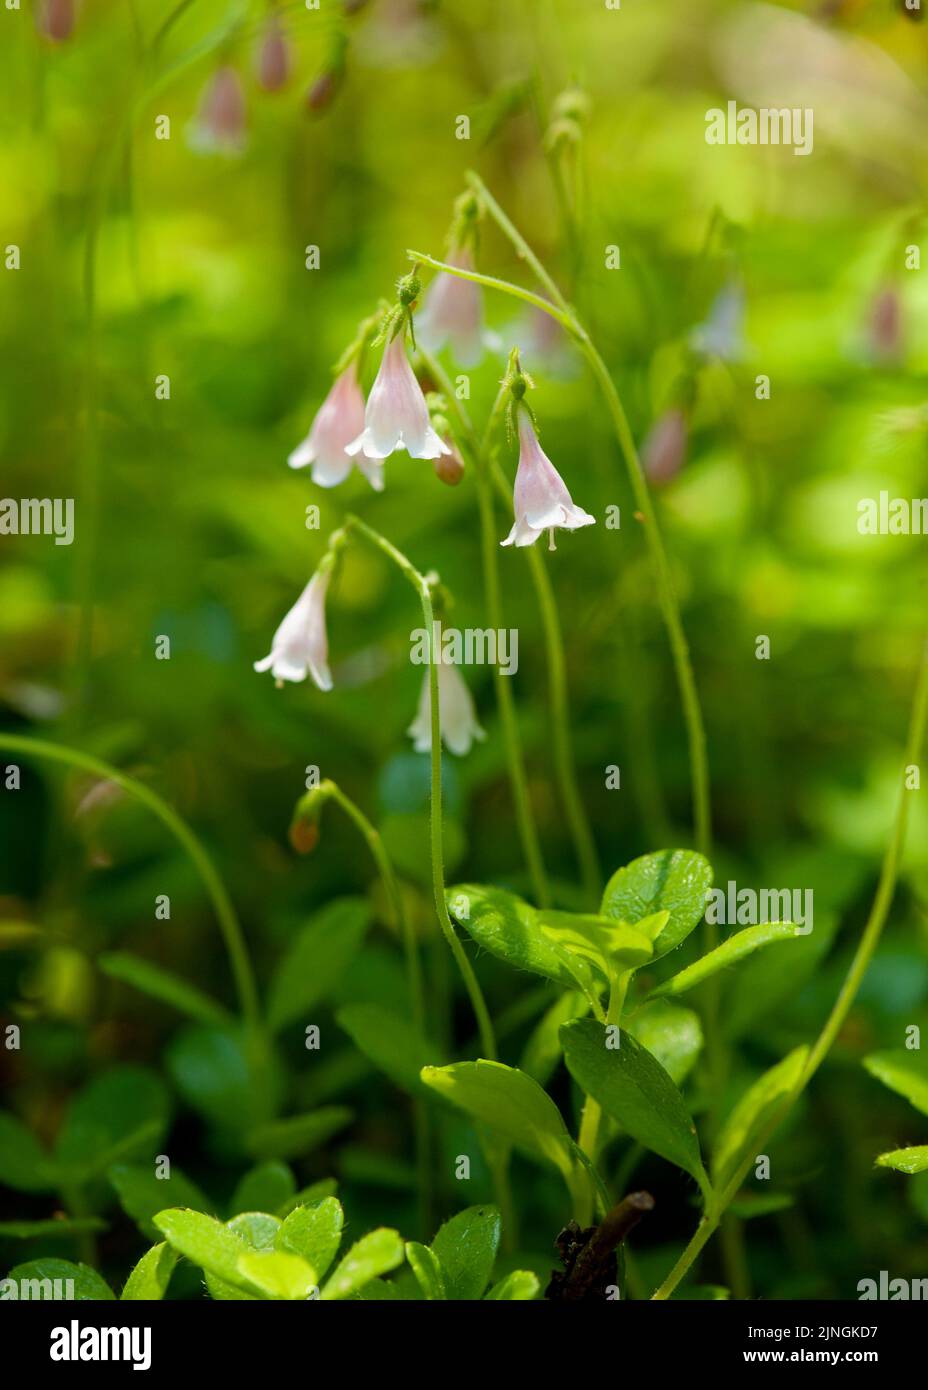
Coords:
pixel 300 644
pixel 337 423
pixel 541 501
pixel 272 66
pixel 459 727
pixel 449 469
pixel 397 416
pixel 452 312
pixel 664 448
pixel 56 19
pixel 722 332
pixel 220 126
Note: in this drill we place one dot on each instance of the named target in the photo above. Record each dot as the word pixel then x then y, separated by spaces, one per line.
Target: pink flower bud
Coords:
pixel 452 312
pixel 338 421
pixel 300 644
pixel 56 19
pixel 541 501
pixel 664 448
pixel 449 468
pixel 220 124
pixel 397 416
pixel 885 326
pixel 273 59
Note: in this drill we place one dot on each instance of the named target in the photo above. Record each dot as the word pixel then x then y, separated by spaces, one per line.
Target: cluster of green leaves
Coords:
pixel 906 1073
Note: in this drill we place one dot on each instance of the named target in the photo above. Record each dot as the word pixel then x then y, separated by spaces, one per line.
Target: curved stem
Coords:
pixel 381 858
pixel 868 942
pixel 421 586
pixel 229 924
pixel 559 309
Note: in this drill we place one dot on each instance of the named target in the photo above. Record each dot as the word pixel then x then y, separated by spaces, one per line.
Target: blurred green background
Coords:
pixel 142 256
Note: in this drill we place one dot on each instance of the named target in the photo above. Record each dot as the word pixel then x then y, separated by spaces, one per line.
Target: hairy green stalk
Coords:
pixel 423 589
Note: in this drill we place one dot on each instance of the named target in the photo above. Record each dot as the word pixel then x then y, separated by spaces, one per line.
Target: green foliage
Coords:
pixel 635 1090
pixel 674 881
pixel 753 1112
pixel 162 985
pixel 913 1160
pixel 150 1278
pixel 316 960
pixel 904 1072
pixel 742 944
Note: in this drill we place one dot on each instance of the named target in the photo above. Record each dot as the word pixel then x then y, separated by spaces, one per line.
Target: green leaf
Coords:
pixel 749 1205
pixel 509 928
pixel 142 1195
pixel 298 1134
pixel 316 959
pixel 278 1274
pixel 752 1113
pixel 425 1266
pixel 519 1286
pixel 67 1227
pixel 161 984
pixel 672 880
pixel 766 983
pixel 373 1255
pixel 508 1102
pixel 210 1067
pixel 913 1160
pixel 308 1196
pixel 635 1090
pixel 742 944
pixel 207 1243
pixel 904 1072
pixel 314 1233
pixel 88 1285
pixel 542 1051
pixel 465 1248
pixel 266 1187
pixel 256 1230
pixel 120 1114
pixel 24 1164
pixel 149 1280
pixel 671 1034
pixel 393 1044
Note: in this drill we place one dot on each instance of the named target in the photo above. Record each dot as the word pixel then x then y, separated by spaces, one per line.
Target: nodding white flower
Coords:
pixel 397 416
pixel 459 727
pixel 722 333
pixel 55 19
pixel 220 126
pixel 337 423
pixel 452 312
pixel 541 501
pixel 300 644
pixel 664 448
pixel 272 66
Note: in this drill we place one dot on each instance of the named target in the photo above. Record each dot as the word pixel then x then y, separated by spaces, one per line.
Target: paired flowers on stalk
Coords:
pixel 300 647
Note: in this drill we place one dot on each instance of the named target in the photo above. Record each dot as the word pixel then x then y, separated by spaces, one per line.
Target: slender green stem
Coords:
pixel 487 468
pixel 863 955
pixel 422 588
pixel 404 927
pixel 558 308
pixel 515 757
pixel 229 924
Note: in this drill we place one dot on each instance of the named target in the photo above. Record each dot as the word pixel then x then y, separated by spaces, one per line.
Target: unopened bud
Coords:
pixel 449 468
pixel 273 59
pixel 324 90
pixel 56 19
pixel 304 826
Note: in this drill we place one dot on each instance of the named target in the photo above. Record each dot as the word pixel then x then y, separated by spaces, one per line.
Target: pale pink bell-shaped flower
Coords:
pixel 272 67
pixel 452 312
pixel 337 423
pixel 540 499
pixel 219 127
pixel 397 416
pixel 300 644
pixel 459 727
pixel 56 19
